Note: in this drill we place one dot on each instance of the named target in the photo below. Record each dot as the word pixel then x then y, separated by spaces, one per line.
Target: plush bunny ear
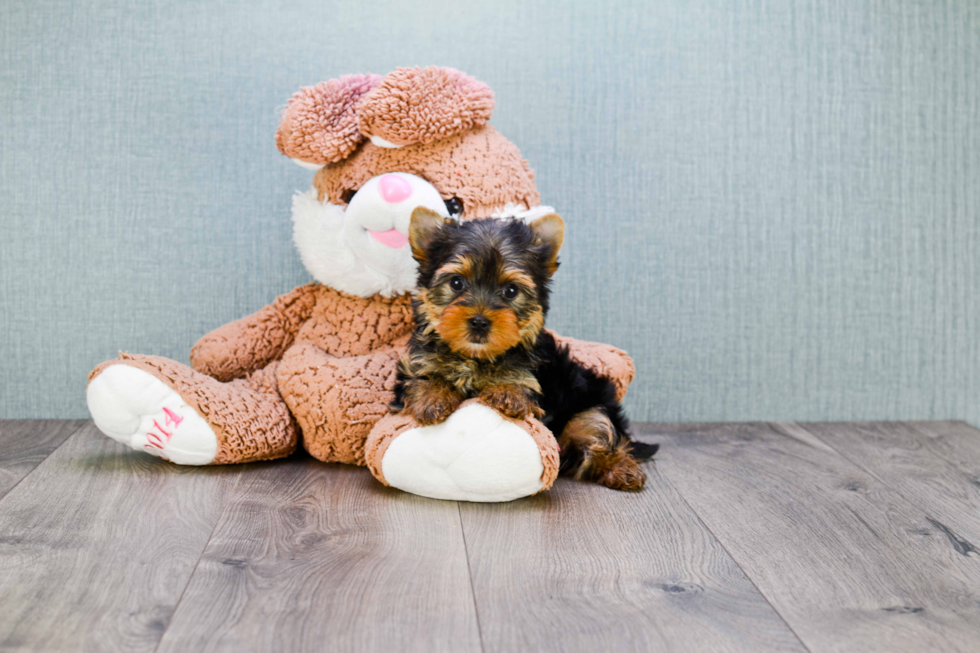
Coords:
pixel 319 125
pixel 421 105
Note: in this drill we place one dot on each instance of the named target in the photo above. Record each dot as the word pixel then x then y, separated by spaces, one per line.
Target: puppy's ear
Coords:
pixel 550 230
pixel 425 226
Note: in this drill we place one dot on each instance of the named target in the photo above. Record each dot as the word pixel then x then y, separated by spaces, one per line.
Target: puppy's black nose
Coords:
pixel 479 324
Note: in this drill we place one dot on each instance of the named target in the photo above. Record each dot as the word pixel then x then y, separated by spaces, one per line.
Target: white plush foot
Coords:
pixel 475 455
pixel 138 409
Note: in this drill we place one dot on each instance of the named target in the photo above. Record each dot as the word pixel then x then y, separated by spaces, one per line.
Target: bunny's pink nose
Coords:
pixel 395 189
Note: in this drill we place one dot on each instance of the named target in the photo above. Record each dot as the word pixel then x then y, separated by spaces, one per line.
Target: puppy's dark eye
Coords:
pixel 457 283
pixel 454 206
pixel 348 195
pixel 511 291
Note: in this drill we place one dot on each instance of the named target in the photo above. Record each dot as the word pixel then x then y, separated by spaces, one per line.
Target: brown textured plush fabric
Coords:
pixel 319 362
pixel 393 425
pixel 605 360
pixel 422 105
pixel 338 323
pixel 548 447
pixel 479 166
pixel 319 124
pixel 335 400
pixel 344 325
pixel 337 367
pixel 249 418
pixel 381 435
pixel 237 348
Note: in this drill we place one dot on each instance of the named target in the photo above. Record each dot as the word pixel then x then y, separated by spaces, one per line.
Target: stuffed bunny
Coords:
pixel 317 366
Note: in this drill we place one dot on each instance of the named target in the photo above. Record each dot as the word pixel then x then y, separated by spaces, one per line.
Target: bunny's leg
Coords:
pixel 167 409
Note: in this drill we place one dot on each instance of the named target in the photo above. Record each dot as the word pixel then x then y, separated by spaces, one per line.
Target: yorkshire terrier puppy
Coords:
pixel 480 308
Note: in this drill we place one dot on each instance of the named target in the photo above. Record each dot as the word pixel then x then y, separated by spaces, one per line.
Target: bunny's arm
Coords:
pixel 605 360
pixel 239 348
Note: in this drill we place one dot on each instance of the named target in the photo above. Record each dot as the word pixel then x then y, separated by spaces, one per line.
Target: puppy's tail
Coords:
pixel 643 451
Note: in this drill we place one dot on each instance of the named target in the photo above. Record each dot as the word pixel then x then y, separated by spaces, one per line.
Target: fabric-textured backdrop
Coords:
pixel 773 205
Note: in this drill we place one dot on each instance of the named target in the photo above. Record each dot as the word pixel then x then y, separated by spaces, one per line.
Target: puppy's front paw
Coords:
pixel 431 403
pixel 510 400
pixel 434 413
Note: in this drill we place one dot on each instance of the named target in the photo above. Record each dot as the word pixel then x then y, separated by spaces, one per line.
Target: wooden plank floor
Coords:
pixel 748 537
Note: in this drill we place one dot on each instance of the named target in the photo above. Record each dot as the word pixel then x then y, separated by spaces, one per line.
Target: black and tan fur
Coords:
pixel 482 298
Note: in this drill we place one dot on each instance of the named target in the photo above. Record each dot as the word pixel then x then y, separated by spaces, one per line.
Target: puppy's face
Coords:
pixel 483 284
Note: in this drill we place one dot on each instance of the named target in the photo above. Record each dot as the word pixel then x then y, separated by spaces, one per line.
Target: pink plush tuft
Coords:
pixel 422 105
pixel 319 125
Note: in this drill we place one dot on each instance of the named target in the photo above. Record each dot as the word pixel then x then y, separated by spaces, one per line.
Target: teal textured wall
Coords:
pixel 774 206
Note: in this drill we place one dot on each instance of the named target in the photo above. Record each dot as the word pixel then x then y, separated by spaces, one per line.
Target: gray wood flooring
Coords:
pixel 748 537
